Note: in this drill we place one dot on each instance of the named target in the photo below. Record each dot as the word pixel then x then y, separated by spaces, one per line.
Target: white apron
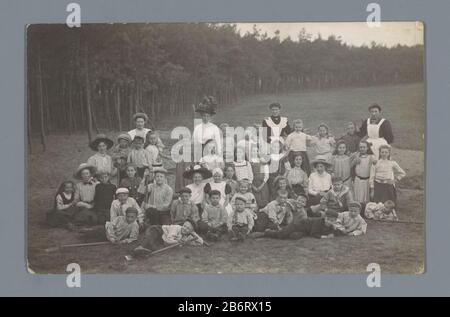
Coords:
pixel 373 134
pixel 276 128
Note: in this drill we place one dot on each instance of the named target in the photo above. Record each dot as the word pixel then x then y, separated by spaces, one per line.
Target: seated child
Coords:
pixel 156 236
pixel 197 174
pixel 104 196
pixel 282 183
pixel 350 223
pixel 245 193
pixel 336 199
pixel 123 229
pixel 64 207
pixel 320 227
pixel 84 195
pixel 132 182
pixel 183 208
pixel 380 211
pixel 214 217
pixel 122 203
pixel 277 213
pixel 240 222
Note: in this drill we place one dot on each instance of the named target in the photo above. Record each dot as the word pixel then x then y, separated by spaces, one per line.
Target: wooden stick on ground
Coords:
pixel 76 245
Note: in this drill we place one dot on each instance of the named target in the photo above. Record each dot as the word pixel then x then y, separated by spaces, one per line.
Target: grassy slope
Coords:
pixel 397 247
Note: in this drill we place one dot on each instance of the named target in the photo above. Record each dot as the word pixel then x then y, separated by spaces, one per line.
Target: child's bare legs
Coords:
pixel 239 232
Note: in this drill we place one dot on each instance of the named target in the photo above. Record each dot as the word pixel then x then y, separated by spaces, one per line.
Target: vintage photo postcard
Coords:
pixel 225 147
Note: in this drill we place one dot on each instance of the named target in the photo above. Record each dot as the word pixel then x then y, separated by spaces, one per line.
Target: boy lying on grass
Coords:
pixel 156 236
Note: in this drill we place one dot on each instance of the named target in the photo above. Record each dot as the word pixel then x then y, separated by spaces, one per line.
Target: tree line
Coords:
pixel 96 76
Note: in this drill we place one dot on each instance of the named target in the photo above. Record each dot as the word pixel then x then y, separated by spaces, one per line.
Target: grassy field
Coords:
pixel 398 248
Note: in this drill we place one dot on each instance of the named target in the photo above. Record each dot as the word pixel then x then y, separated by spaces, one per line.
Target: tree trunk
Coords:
pixel 119 119
pixel 41 103
pixel 88 98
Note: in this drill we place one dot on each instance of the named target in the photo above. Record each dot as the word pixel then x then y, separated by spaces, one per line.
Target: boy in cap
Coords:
pixel 350 223
pixel 336 199
pixel 183 208
pixel 240 221
pixel 122 203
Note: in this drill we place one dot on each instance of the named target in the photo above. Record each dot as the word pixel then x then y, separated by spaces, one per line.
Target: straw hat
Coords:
pixel 320 160
pixel 82 167
pixel 124 136
pixel 101 138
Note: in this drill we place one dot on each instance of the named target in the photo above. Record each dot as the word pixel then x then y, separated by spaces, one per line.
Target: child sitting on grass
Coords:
pixel 123 229
pixel 156 236
pixel 350 223
pixel 240 222
pixel 214 217
pixel 277 213
pixel 64 207
pixel 380 211
pixel 122 203
pixel 336 199
pixel 245 193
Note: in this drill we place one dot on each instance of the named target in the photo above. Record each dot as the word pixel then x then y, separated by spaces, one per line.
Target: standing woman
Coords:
pixel 277 126
pixel 206 130
pixel 376 130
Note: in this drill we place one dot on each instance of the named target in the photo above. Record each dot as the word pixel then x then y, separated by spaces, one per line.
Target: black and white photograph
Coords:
pixel 215 148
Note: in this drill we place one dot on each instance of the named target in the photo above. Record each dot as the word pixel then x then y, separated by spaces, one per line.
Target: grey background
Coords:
pixel 14 15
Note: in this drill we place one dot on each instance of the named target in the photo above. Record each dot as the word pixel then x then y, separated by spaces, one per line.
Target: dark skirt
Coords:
pixel 384 192
pixel 60 218
pixel 157 217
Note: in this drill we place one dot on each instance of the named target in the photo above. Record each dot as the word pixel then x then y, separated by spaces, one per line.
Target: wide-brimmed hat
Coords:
pixel 208 105
pixel 320 160
pixel 140 115
pixel 124 136
pixel 275 105
pixel 82 167
pixel 159 169
pixel 101 138
pixel 197 169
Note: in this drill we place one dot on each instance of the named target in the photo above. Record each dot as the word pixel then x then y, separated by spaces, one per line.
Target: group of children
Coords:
pixel 123 188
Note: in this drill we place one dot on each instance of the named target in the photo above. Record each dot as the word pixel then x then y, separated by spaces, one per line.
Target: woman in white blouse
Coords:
pixel 206 130
pixel 319 181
